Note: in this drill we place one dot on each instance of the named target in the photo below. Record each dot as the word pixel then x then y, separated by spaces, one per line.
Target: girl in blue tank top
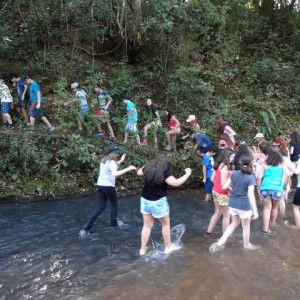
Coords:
pixel 270 185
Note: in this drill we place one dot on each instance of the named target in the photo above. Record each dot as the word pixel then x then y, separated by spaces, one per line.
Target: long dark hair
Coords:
pixel 155 169
pixel 223 158
pixel 274 157
pixel 246 163
pixel 295 138
pixel 170 113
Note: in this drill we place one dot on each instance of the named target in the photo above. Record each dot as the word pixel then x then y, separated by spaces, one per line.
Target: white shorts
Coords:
pixel 243 214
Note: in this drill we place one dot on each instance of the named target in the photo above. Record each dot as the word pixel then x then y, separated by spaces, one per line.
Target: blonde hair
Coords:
pixel 110 156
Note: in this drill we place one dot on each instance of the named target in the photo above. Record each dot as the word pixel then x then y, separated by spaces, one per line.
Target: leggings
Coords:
pixel 105 192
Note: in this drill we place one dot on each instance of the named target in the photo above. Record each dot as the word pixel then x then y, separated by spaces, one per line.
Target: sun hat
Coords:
pixel 114 149
pixel 220 122
pixel 191 118
pixel 74 85
pixel 259 135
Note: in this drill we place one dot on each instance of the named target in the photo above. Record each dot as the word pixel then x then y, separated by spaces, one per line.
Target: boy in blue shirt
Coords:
pixel 37 101
pixel 132 119
pixel 208 169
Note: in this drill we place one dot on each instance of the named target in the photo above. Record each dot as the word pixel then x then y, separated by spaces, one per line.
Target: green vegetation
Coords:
pixel 235 59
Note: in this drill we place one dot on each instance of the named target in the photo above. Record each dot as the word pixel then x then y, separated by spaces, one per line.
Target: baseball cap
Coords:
pixel 220 122
pixel 114 149
pixel 259 135
pixel 97 85
pixel 74 85
pixel 126 97
pixel 191 118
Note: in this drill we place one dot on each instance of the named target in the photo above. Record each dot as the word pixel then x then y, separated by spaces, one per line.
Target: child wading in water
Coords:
pixel 208 163
pixel 223 167
pixel 270 184
pixel 154 122
pixel 154 204
pixel 106 186
pixel 242 204
pixel 174 129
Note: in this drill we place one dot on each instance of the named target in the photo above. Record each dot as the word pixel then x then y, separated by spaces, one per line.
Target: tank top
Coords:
pixel 272 179
pixel 217 184
pixel 172 124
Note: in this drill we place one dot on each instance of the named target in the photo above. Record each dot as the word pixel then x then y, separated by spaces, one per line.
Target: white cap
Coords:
pixel 74 85
pixel 258 135
pixel 191 118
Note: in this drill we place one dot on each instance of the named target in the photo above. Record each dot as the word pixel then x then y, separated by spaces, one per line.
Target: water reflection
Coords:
pixel 41 256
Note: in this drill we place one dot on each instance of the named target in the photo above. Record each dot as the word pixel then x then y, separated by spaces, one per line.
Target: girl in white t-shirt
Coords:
pixel 226 129
pixel 106 187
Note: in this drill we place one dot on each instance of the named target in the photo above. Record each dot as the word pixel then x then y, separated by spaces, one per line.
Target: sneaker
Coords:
pixel 52 128
pixel 144 143
pixel 97 134
pixel 10 126
pixel 168 147
pixel 251 247
pixel 266 231
pixel 83 233
pixel 215 247
pixel 112 139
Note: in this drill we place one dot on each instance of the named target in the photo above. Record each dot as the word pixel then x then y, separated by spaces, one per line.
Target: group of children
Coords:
pixel 232 178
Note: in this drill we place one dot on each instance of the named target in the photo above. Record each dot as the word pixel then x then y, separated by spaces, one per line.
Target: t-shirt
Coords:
pixel 103 98
pixel 156 191
pixel 5 95
pixel 208 162
pixel 295 156
pixel 82 99
pixel 238 198
pixel 106 178
pixel 227 130
pixel 20 89
pixel 152 112
pixel 131 113
pixel 34 89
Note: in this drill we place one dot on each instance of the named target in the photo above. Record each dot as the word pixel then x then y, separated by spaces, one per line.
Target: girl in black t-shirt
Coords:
pixel 154 204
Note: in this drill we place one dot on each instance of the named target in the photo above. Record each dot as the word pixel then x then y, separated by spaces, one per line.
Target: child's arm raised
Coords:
pixel 171 180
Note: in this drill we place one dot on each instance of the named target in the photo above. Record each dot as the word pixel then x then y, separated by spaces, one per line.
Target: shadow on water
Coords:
pixel 42 257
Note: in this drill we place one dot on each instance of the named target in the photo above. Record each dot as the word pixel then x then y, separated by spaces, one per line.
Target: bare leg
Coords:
pixel 296 212
pixel 281 207
pixel 230 229
pixel 146 128
pixel 111 132
pixel 173 141
pixel 126 137
pixel 246 231
pixel 208 197
pixel 226 217
pixel 274 211
pixel 166 233
pixel 138 139
pixel 45 120
pixel 146 231
pixel 99 128
pixel 215 218
pixel 79 125
pixel 8 118
pixel 267 214
pixel 32 121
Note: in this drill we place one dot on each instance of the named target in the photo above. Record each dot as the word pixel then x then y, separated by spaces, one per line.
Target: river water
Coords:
pixel 42 257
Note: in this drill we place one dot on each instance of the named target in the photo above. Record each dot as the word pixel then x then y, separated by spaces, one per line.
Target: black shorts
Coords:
pixel 296 200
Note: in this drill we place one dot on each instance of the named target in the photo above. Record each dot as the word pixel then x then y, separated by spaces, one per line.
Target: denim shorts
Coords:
pixel 35 112
pixel 5 107
pixel 157 209
pixel 273 195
